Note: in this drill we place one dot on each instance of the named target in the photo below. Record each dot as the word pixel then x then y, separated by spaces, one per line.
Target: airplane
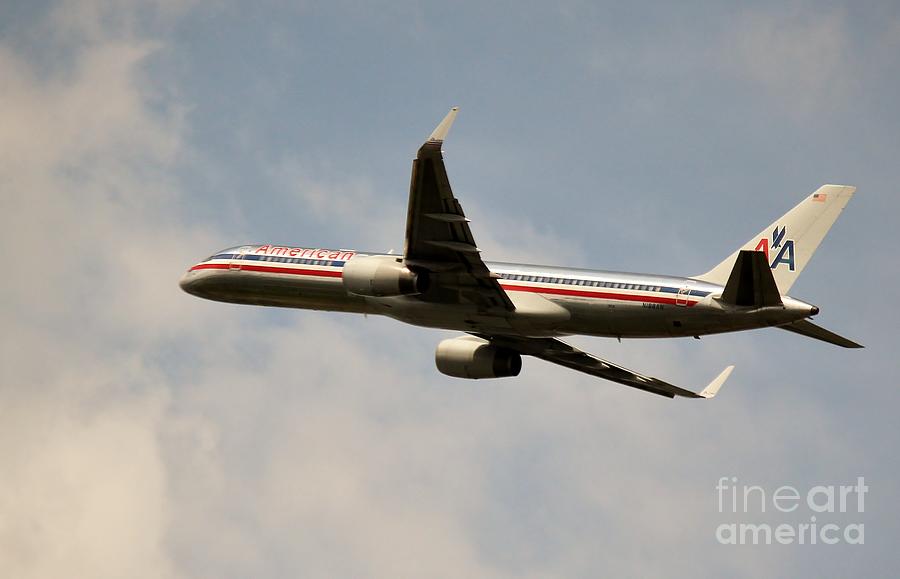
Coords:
pixel 507 310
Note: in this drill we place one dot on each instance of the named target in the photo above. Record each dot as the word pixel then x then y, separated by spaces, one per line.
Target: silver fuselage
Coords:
pixel 549 301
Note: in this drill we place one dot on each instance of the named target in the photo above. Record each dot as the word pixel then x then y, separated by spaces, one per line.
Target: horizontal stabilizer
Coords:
pixel 751 282
pixel 809 329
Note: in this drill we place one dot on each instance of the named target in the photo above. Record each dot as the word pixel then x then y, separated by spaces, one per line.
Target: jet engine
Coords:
pixel 471 357
pixel 381 276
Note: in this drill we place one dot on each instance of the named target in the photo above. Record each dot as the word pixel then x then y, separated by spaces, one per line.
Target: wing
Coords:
pixel 438 238
pixel 558 352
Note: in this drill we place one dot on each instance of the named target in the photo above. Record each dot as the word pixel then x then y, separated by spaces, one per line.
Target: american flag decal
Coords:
pixel 820 197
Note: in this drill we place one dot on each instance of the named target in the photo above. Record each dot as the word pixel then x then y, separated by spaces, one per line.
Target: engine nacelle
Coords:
pixel 471 357
pixel 381 276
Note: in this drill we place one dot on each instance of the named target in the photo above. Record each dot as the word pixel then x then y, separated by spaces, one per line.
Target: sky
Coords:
pixel 146 433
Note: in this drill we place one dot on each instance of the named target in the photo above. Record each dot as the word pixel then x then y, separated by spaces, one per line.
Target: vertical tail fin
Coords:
pixel 790 242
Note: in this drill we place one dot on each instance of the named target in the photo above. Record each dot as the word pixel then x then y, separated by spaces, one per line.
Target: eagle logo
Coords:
pixel 778 242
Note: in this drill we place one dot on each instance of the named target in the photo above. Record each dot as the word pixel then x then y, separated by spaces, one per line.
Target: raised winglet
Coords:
pixel 440 133
pixel 713 388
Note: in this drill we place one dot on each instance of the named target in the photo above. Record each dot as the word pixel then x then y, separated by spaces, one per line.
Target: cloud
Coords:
pixel 85 194
pixel 84 482
pixel 146 433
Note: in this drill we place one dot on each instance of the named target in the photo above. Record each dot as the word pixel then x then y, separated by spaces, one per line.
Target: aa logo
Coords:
pixel 781 247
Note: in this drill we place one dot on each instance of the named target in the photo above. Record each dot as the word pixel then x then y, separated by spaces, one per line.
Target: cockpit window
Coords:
pixel 225 254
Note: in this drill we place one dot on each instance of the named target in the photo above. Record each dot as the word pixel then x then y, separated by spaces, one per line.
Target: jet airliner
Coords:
pixel 507 310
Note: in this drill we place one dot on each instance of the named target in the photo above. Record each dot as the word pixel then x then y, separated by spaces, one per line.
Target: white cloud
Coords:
pixel 146 433
pixel 83 482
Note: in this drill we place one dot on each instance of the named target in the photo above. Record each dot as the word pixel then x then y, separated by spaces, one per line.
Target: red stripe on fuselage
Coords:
pixel 592 294
pixel 507 287
pixel 269 269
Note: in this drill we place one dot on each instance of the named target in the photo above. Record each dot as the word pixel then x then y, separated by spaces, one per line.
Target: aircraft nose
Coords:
pixel 813 310
pixel 186 281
